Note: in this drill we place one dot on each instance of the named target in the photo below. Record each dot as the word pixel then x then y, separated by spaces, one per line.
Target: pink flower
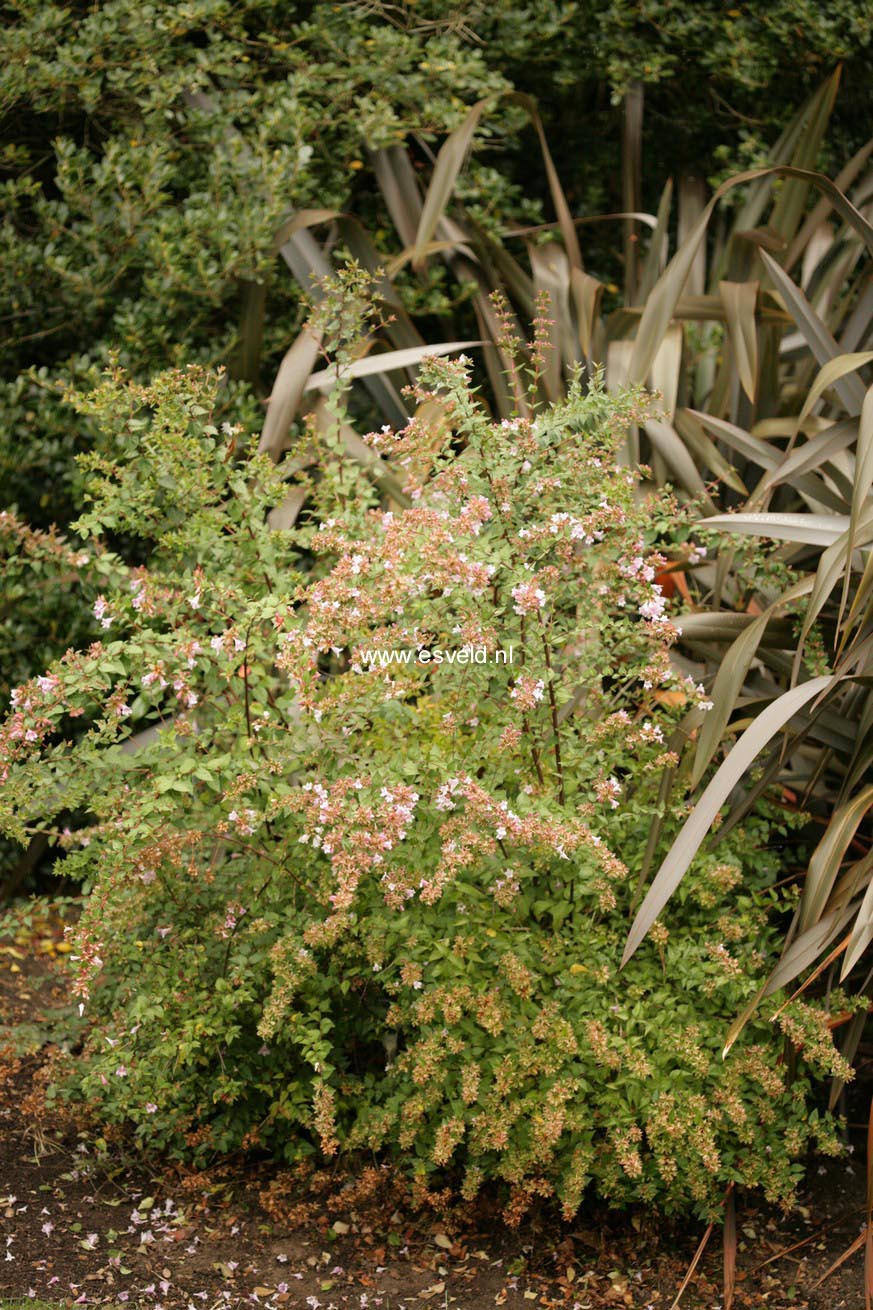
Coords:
pixel 528 597
pixel 528 691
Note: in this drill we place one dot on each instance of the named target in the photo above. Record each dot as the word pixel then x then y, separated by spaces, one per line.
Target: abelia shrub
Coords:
pixel 362 807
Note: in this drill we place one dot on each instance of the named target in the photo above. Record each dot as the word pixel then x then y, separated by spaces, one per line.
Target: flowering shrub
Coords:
pixel 337 902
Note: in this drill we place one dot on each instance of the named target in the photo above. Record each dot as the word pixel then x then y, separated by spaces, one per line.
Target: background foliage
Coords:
pixel 136 220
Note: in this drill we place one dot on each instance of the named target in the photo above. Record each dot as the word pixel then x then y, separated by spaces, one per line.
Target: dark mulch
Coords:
pixel 87 1220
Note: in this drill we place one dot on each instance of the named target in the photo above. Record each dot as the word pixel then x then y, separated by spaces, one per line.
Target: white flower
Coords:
pixel 654 607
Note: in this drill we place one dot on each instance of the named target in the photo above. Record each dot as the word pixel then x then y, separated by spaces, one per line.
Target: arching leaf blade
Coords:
pixel 700 821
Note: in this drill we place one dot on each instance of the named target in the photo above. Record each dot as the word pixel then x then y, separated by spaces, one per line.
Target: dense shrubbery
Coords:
pixel 336 905
pixel 149 162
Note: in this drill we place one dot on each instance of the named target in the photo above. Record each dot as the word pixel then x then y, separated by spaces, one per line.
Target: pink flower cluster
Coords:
pixel 529 598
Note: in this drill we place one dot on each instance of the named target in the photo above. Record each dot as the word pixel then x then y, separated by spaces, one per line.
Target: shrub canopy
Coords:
pixel 337 902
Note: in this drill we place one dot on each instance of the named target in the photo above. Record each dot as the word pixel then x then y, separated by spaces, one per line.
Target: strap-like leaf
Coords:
pixel 861 935
pixel 656 256
pixel 729 680
pixel 300 221
pixel 803 459
pixel 701 819
pixel 399 186
pixel 288 389
pixel 791 202
pixel 861 489
pixel 449 163
pixel 284 516
pixel 809 947
pixel 828 855
pixel 830 375
pixel 327 378
pixel 817 336
pixel 813 222
pixel 631 179
pixel 706 453
pixel 674 452
pixel 835 563
pixel 744 443
pixel 740 301
pixel 662 302
pixel 559 200
pixel 666 367
pixel 587 293
pixel 805 529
